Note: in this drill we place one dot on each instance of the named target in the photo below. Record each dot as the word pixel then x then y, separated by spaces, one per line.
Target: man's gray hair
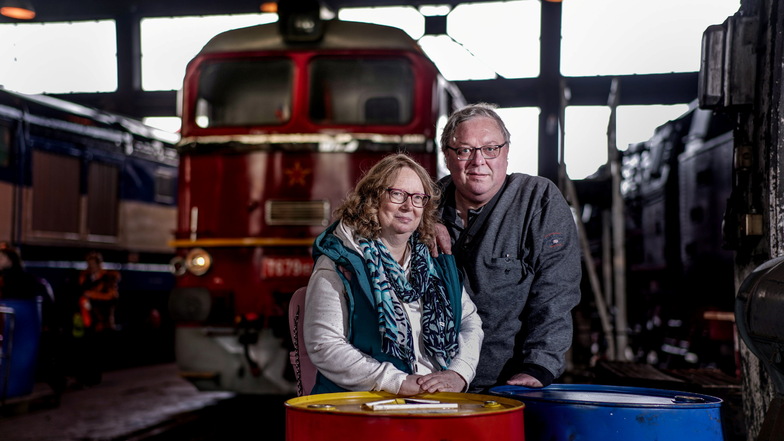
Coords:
pixel 469 112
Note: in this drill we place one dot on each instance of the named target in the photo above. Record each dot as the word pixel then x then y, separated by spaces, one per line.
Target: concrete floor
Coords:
pixel 125 403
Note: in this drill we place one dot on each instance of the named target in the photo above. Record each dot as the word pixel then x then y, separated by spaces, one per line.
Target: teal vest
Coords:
pixel 363 322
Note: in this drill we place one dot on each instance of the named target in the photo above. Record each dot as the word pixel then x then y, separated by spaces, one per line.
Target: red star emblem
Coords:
pixel 297 174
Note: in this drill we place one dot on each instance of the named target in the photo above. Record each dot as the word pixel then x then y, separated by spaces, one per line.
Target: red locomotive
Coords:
pixel 278 123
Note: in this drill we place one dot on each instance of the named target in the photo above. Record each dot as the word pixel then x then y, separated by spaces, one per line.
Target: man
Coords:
pixel 516 243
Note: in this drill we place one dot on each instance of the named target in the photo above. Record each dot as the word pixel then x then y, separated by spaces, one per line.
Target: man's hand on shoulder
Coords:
pixel 443 241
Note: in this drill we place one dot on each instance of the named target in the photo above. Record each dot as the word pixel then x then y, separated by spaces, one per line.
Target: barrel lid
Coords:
pixel 382 403
pixel 610 396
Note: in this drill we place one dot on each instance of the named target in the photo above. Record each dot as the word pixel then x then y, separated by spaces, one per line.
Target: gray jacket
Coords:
pixel 522 269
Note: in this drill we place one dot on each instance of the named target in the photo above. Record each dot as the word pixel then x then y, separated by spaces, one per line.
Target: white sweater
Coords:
pixel 325 331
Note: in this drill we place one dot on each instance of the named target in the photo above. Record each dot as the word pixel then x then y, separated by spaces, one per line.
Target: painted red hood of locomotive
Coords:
pixel 231 193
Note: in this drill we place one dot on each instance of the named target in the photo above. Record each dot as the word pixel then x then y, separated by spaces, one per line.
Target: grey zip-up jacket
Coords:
pixel 522 269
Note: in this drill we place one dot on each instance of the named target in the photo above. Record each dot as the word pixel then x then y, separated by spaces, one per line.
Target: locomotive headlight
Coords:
pixel 304 25
pixel 300 21
pixel 198 261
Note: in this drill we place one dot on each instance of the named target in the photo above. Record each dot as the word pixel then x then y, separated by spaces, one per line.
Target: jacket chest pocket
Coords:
pixel 508 268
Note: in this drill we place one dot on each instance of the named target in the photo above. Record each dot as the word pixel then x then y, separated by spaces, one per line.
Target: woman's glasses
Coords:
pixel 397 196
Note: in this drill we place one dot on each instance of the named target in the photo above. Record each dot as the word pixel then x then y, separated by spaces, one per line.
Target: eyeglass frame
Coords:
pixel 472 155
pixel 425 196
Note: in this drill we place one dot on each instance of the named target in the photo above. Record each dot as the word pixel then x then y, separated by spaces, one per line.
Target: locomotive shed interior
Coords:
pixel 542 91
pixel 682 156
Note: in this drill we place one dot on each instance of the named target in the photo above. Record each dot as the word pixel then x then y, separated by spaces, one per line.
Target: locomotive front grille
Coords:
pixel 297 212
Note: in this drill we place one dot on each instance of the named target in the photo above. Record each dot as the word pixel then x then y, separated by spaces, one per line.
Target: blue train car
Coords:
pixel 75 179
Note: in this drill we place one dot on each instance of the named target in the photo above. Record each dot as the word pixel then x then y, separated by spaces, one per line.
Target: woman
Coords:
pixel 382 314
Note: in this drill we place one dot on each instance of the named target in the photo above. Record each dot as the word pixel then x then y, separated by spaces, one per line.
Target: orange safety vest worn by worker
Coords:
pixel 97 303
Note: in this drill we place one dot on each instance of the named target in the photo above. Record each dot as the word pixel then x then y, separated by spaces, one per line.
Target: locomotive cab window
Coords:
pixel 244 93
pixel 361 91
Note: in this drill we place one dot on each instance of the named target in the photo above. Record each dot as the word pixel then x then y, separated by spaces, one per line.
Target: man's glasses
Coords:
pixel 398 196
pixel 488 151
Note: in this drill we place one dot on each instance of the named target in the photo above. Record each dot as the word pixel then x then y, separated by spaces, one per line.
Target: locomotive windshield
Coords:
pixel 244 93
pixel 361 91
pixel 342 91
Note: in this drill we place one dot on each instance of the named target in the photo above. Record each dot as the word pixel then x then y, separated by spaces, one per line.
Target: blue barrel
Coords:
pixel 580 412
pixel 21 332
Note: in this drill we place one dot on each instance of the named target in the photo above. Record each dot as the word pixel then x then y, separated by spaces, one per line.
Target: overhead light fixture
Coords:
pixel 18 9
pixel 269 7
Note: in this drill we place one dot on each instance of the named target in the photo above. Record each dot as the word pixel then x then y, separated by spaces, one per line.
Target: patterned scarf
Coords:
pixel 388 278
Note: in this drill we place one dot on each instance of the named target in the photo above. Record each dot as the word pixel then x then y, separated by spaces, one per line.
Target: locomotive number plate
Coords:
pixel 272 267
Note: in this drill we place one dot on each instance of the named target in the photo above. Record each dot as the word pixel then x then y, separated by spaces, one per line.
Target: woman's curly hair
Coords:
pixel 360 208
